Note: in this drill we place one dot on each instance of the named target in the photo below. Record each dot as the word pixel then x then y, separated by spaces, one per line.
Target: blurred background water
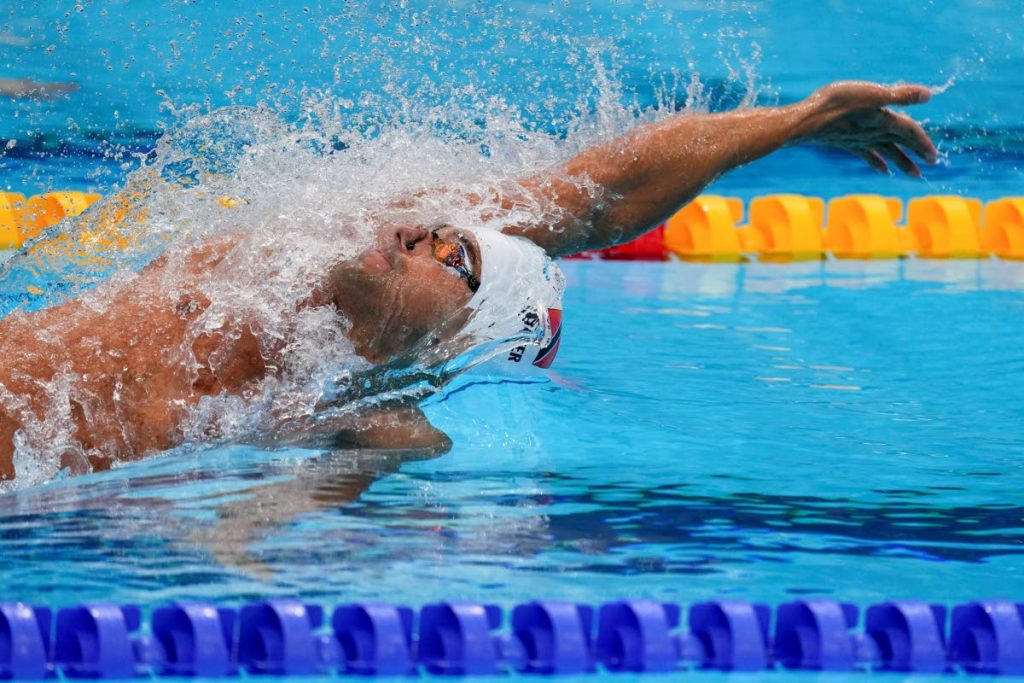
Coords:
pixel 132 66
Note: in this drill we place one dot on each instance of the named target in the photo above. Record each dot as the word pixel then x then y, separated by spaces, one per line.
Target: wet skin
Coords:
pixel 132 390
pixel 398 293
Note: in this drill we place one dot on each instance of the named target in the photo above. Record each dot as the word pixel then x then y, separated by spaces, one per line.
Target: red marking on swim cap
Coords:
pixel 547 354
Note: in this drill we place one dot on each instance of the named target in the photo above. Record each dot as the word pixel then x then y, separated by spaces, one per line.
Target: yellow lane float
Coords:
pixel 863 226
pixel 705 230
pixel 945 227
pixel 783 227
pixel 787 227
pixel 12 219
pixel 1002 232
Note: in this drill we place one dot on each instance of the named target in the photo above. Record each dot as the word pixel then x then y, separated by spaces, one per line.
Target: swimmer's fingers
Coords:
pixel 865 95
pixel 903 95
pixel 909 133
pixel 897 156
pixel 873 159
pixel 876 158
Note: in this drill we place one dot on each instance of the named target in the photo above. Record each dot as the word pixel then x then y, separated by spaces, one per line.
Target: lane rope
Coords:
pixel 711 228
pixel 288 637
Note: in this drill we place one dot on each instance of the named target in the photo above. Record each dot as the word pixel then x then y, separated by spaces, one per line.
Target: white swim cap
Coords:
pixel 519 299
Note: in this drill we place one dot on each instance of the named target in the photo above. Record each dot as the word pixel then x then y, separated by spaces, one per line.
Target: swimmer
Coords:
pixel 418 293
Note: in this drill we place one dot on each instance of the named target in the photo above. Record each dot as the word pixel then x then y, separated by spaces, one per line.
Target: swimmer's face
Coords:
pixel 413 286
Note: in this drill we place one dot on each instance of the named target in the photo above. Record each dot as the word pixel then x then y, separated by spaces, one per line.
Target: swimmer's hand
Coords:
pixel 394 427
pixel 855 116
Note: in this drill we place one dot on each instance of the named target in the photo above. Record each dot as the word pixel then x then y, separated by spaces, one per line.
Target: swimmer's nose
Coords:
pixel 409 237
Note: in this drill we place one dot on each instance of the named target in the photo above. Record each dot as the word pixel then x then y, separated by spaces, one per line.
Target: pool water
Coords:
pixel 135 69
pixel 843 429
pixel 852 430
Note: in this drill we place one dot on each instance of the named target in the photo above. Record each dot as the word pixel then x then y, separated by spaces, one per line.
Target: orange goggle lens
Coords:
pixel 453 255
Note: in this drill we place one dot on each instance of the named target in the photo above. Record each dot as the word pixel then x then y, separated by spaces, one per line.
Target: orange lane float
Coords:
pixel 705 230
pixel 1002 232
pixel 783 227
pixel 21 218
pixel 945 227
pixel 787 227
pixel 48 209
pixel 863 226
pixel 12 219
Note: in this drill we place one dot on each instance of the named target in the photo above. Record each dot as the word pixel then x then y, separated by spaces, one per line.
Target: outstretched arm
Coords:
pixel 615 192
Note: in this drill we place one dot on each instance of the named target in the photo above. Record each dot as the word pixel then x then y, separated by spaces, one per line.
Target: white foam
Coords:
pixel 311 193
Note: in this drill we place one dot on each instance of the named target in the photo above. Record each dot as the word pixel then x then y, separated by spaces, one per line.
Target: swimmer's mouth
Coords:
pixel 380 256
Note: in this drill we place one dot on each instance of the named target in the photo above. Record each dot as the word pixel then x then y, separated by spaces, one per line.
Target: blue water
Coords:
pixel 131 64
pixel 763 432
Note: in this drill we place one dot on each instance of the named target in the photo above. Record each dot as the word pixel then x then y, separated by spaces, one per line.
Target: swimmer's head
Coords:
pixel 411 287
pixel 518 306
pixel 448 289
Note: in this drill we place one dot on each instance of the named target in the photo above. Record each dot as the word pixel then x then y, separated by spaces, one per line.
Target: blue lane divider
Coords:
pixel 24 641
pixel 729 635
pixel 375 639
pixel 637 636
pixel 194 639
pixel 555 637
pixel 293 638
pixel 95 641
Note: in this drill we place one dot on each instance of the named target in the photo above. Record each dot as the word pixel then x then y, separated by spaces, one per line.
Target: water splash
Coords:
pixel 282 202
pixel 299 181
pixel 959 71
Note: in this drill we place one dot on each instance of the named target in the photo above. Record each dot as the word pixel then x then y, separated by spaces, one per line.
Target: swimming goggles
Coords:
pixel 452 254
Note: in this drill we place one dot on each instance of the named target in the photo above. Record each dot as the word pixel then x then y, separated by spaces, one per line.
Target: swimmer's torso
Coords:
pixel 117 381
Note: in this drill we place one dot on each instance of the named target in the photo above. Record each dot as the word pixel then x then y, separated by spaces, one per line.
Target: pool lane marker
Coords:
pixel 787 227
pixel 283 637
pixel 780 228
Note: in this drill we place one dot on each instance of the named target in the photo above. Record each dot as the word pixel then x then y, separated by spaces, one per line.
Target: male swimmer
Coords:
pixel 423 292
